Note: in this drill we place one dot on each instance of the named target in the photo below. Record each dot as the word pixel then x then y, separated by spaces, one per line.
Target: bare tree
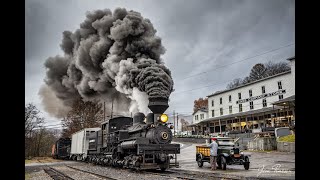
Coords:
pixel 260 71
pixel 257 72
pixel 32 118
pixel 38 140
pixel 235 83
pixel 276 68
pixel 82 115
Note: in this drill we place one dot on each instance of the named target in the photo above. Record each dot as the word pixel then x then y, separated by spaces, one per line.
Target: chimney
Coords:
pixel 158 105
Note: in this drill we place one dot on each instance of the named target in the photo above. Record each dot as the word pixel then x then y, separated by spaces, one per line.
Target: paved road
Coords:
pixel 273 165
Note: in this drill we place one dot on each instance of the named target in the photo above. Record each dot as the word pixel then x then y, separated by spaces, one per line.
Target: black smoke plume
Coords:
pixel 112 56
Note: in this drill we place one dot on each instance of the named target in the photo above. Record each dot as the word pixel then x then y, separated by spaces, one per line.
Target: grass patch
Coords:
pixel 40 160
pixel 289 138
pixel 27 176
pixel 27 161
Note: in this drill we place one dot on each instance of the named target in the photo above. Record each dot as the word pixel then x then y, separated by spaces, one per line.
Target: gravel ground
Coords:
pixel 39 175
pixel 264 165
pixel 117 173
pixel 74 174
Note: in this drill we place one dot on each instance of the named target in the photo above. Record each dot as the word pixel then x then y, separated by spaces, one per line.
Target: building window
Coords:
pixel 279 85
pixel 263 89
pixel 212 113
pixel 250 93
pixel 230 109
pixel 264 103
pixel 229 98
pixel 221 111
pixel 212 103
pixel 280 96
pixel 239 95
pixel 240 107
pixel 201 116
pixel 221 100
pixel 251 105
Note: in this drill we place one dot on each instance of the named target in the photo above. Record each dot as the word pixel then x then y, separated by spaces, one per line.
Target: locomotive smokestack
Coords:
pixel 158 105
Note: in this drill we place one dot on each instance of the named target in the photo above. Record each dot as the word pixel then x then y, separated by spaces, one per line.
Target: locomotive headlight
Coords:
pixel 231 152
pixel 163 118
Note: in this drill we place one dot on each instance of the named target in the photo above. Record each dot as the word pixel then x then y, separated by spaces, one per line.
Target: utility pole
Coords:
pixel 111 108
pixel 177 123
pixel 174 124
pixel 104 111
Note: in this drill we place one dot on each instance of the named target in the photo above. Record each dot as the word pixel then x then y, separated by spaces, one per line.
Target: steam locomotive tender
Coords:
pixel 141 142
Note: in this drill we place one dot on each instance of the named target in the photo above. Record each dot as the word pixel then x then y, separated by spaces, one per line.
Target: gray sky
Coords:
pixel 199 36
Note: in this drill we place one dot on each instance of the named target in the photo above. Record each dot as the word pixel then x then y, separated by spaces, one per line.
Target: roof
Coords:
pixel 267 109
pixel 227 90
pixel 203 110
pixel 292 58
pixel 286 101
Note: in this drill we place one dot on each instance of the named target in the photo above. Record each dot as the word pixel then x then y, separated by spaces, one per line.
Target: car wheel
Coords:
pixel 219 164
pixel 223 162
pixel 246 163
pixel 163 169
pixel 200 162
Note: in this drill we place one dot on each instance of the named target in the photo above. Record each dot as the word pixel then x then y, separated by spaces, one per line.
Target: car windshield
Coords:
pixel 225 142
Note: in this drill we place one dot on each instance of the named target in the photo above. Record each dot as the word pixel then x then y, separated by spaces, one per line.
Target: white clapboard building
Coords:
pixel 268 102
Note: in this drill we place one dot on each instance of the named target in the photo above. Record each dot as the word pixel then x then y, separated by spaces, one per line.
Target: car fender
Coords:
pixel 199 155
pixel 224 154
pixel 244 156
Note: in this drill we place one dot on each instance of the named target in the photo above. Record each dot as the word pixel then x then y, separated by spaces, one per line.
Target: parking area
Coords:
pixel 273 164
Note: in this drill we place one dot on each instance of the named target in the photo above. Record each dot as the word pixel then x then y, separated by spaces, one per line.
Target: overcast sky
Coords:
pixel 199 36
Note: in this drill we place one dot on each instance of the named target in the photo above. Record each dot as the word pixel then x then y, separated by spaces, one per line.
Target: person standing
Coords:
pixel 213 153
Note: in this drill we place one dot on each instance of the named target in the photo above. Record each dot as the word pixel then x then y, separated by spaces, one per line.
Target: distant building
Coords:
pixel 268 102
pixel 199 116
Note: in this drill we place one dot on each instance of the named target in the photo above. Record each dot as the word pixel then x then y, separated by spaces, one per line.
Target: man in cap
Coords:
pixel 213 153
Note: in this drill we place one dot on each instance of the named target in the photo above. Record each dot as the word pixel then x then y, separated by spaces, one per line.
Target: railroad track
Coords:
pixel 92 173
pixel 58 175
pixel 171 173
pixel 55 174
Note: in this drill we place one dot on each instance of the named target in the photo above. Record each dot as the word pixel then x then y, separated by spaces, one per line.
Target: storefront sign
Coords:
pixel 261 96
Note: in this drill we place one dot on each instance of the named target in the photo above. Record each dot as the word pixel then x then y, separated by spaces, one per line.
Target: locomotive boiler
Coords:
pixel 141 142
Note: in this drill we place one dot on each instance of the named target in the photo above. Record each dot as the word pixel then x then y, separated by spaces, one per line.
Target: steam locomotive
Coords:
pixel 61 148
pixel 141 142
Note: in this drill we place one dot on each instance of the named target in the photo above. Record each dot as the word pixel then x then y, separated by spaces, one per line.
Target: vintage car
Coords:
pixel 228 154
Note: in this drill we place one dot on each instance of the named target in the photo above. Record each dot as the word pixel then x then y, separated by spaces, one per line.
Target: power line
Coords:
pixel 208 85
pixel 238 61
pixel 205 86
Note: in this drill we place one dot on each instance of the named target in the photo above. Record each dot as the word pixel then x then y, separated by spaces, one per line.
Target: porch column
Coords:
pixel 220 125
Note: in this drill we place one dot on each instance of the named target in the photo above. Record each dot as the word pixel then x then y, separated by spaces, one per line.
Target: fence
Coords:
pixel 286 146
pixel 263 144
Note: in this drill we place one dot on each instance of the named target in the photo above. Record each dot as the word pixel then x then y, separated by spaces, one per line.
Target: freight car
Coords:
pixel 141 142
pixel 61 148
pixel 80 143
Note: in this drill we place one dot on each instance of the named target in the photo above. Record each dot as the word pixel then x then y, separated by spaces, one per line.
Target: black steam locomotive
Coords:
pixel 141 142
pixel 61 148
